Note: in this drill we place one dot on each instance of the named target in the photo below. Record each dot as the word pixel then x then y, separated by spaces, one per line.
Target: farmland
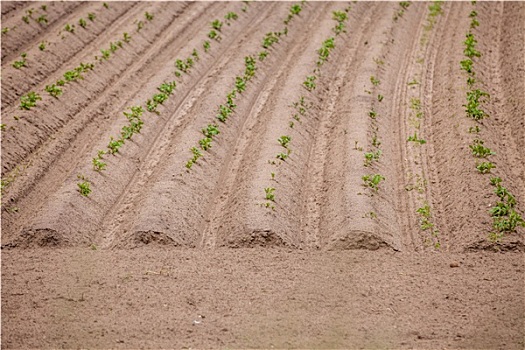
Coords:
pixel 278 174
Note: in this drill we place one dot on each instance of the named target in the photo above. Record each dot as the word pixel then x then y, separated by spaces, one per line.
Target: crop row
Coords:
pixel 134 115
pixel 301 106
pixel 56 89
pixel 505 217
pixel 227 109
pixel 424 211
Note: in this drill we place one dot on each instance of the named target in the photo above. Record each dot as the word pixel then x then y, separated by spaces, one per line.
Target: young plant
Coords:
pixel 98 164
pixel 105 54
pixel 372 181
pixel 84 188
pixel 206 45
pixel 231 16
pixel 126 38
pixel 205 143
pixel 309 83
pixel 42 46
pixel 69 28
pixel 372 156
pixel 415 139
pixel 485 167
pixel 240 84
pixel 42 19
pixel 270 39
pixel 263 55
pixel 284 140
pixel 269 191
pixel 22 62
pixel 148 16
pixel 91 16
pixel 140 25
pixel 28 101
pixel 217 25
pixel 211 130
pixel 82 22
pixel 114 145
pixel 480 151
pixel 214 35
pixel 53 90
pixel 374 81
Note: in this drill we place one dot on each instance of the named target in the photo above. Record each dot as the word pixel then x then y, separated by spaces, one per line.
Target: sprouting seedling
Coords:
pixel 22 62
pixel 404 4
pixel 126 38
pixel 105 5
pixel 28 101
pixel 91 16
pixel 214 35
pixel 380 97
pixel 105 54
pixel 25 19
pixel 415 139
pixel 467 65
pixel 269 191
pixel 272 175
pixel 148 16
pixel 474 129
pixel 205 143
pixel 53 90
pixel 195 55
pixel 206 45
pixel 374 81
pixel 485 167
pixel 6 30
pixel 373 181
pixel 309 83
pixel 69 28
pixel 113 47
pixel 217 25
pixel 372 156
pixel 263 55
pixel 224 112
pixel 82 22
pixel 42 19
pixel 282 156
pixel 42 46
pixel 270 39
pixel 114 145
pixel 480 151
pixel 44 7
pixel 84 188
pixel 372 114
pixel 211 130
pixel 140 25
pixel 284 140
pixel 98 165
pixel 240 84
pixel 230 16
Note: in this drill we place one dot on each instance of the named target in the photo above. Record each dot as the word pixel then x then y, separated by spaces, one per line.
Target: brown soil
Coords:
pixel 333 264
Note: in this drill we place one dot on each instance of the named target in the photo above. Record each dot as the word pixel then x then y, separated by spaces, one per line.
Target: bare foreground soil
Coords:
pixel 160 256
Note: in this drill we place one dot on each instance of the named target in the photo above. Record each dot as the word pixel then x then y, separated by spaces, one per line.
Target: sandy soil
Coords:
pixel 328 262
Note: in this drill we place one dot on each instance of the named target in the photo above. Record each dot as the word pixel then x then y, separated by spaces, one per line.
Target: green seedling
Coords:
pixel 309 83
pixel 474 99
pixel 211 131
pixel 106 6
pixel 269 191
pixel 84 188
pixel 42 46
pixel 372 181
pixel 69 28
pixel 82 22
pixel 25 19
pixel 29 101
pixel 22 62
pixel 415 139
pixel 114 145
pixel 42 19
pixel 214 35
pixel 231 16
pixel 105 54
pixel 404 4
pixel 474 129
pixel 98 165
pixel 270 39
pixel 263 55
pixel 372 156
pixel 206 45
pixel 380 98
pixel 485 167
pixel 284 140
pixel 372 114
pixel 480 151
pixel 224 113
pixel 374 81
pixel 148 16
pixel 240 84
pixel 126 38
pixel 467 65
pixel 195 55
pixel 91 16
pixel 140 25
pixel 113 47
pixel 53 90
pixel 205 143
pixel 217 25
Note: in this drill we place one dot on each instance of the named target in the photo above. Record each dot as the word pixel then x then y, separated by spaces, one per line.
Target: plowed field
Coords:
pixel 263 174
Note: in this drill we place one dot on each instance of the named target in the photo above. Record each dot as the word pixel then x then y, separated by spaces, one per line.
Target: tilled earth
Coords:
pixel 161 256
